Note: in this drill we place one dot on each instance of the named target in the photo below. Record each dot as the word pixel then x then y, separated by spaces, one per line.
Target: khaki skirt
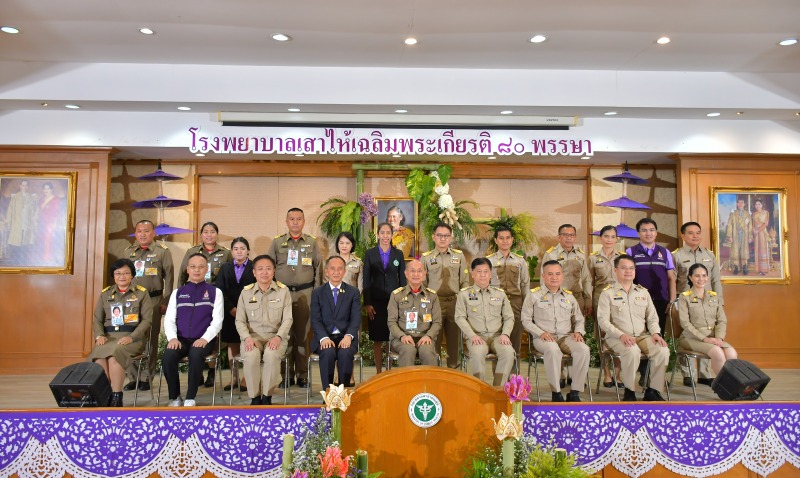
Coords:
pixel 691 343
pixel 121 353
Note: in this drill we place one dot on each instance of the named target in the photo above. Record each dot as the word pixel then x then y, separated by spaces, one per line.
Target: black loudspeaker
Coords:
pixel 739 380
pixel 81 385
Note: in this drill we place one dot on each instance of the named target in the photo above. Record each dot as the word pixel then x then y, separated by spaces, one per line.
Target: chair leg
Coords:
pixel 308 389
pixel 138 375
pixel 614 375
pixel 361 370
pixel 536 372
pixel 691 377
pixel 589 386
pixel 599 375
pixel 160 379
pixel 234 379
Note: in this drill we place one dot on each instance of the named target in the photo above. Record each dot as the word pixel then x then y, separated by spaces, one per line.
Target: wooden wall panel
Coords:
pixel 46 319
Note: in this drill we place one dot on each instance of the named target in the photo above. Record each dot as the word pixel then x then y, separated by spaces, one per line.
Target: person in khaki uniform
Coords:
pixel 118 339
pixel 298 267
pixel 415 318
pixel 153 271
pixel 685 257
pixel 447 273
pixel 703 320
pixel 484 315
pixel 573 260
pixel 628 319
pixel 510 273
pixel 264 321
pixel 552 316
pixel 216 254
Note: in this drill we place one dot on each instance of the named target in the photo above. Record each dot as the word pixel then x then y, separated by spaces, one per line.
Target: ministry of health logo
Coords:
pixel 425 410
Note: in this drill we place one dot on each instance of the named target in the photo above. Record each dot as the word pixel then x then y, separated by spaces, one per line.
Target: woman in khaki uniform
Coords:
pixel 703 320
pixel 601 270
pixel 345 243
pixel 122 318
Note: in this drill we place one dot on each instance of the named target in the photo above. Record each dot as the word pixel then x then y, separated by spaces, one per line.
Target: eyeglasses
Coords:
pixel 122 274
pixel 568 235
pixel 443 236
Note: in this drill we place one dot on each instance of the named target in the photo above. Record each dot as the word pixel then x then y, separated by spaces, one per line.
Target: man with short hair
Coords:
pixel 415 318
pixel 573 262
pixel 193 320
pixel 298 258
pixel 628 318
pixel 552 317
pixel 447 273
pixel 485 317
pixel 692 253
pixel 154 272
pixel 335 318
pixel 510 273
pixel 654 268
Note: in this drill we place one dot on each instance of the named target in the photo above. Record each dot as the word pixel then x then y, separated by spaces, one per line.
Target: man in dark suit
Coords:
pixel 335 317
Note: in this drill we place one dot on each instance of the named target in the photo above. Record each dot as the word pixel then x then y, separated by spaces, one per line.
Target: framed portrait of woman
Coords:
pixel 37 222
pixel 749 234
pixel 401 214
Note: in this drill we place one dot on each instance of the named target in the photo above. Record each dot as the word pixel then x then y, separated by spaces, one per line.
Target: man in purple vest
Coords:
pixel 655 271
pixel 193 320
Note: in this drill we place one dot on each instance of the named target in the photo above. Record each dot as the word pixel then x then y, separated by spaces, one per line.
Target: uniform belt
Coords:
pixel 155 293
pixel 296 288
pixel 447 298
pixel 120 328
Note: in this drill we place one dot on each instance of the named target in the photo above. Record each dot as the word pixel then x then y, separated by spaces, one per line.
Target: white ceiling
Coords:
pixel 737 38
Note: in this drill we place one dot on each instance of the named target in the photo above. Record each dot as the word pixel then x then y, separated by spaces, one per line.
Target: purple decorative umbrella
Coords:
pixel 624 203
pixel 625 177
pixel 159 175
pixel 166 230
pixel 623 231
pixel 160 202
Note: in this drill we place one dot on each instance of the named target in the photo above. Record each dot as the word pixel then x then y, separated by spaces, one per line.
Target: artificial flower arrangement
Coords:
pixel 347 216
pixel 518 455
pixel 521 226
pixel 432 194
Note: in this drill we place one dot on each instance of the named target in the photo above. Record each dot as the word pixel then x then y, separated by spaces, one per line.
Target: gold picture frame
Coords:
pixel 37 222
pixel 749 234
pixel 405 238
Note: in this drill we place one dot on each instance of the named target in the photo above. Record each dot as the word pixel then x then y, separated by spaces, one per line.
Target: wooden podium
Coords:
pixel 378 421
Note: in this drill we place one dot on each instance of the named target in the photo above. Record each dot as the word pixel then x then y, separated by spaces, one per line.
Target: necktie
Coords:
pixel 335 295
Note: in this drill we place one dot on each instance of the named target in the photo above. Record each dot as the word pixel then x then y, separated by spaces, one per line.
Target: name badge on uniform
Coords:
pixel 117 318
pixel 495 299
pixel 455 260
pixel 411 320
pixel 272 301
pixel 473 296
pixel 208 274
pixel 433 260
pixel 131 318
pixel 292 258
pixel 151 271
pixel 640 298
pixel 706 260
pixel 307 261
pixel 427 318
pixel 139 266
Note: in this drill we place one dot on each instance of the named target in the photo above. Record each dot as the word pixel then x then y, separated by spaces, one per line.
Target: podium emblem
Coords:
pixel 425 410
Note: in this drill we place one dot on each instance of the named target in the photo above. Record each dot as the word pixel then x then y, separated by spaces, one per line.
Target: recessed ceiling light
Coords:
pixel 147 31
pixel 395 155
pixel 72 107
pixel 797 114
pixel 788 42
pixel 506 112
pixel 281 37
pixel 199 155
pixel 584 157
pixel 491 157
pixel 610 113
pixel 43 104
pixel 663 40
pixel 538 38
pixel 712 115
pixel 401 111
pixel 299 155
pixel 739 113
pixel 10 30
pixel 410 41
pixel 184 108
pixel 294 110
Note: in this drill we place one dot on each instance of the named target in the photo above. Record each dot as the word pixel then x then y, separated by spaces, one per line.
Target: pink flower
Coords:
pixel 518 388
pixel 333 465
pixel 300 474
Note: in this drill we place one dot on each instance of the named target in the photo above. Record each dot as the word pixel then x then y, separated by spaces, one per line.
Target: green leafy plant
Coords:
pixel 521 226
pixel 340 216
pixel 551 463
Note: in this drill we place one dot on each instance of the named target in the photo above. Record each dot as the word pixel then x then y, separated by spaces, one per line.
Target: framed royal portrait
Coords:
pixel 749 234
pixel 401 214
pixel 37 222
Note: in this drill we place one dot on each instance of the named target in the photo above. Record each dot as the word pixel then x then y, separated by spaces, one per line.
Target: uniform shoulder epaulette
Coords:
pixel 223 248
pixel 640 287
pixel 497 288
pixel 688 293
pixel 607 287
pixel 594 253
pixel 140 288
pixel 107 288
pixel 279 235
pixel 430 290
pixel 249 286
pixel 536 289
pixel 397 291
pixel 579 249
pixel 465 288
pixel 312 237
pixel 280 284
pixel 676 250
pixel 518 255
pixel 426 253
pixel 457 251
pixel 353 256
pixel 162 246
pixel 567 291
pixel 553 248
pixel 712 293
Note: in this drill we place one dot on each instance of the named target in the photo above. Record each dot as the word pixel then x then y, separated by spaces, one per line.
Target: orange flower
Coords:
pixel 333 465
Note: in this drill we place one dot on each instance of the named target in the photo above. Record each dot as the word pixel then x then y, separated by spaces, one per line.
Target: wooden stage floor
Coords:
pixel 33 392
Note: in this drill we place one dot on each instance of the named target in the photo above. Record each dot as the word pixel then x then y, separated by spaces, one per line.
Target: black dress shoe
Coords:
pixel 652 395
pixel 705 381
pixel 227 388
pixel 574 396
pixel 557 397
pixel 144 386
pixel 209 380
pixel 266 399
pixel 256 400
pixel 130 386
pixel 302 382
pixel 687 382
pixel 736 270
pixel 629 396
pixel 115 400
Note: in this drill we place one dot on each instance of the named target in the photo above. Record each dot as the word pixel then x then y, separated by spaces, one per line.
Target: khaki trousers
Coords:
pixel 477 359
pixel 265 377
pixel 301 333
pixel 516 332
pixel 631 356
pixel 408 353
pixel 554 353
pixel 450 332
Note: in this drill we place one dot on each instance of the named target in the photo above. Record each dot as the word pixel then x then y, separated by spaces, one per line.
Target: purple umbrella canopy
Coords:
pixel 160 202
pixel 624 203
pixel 166 229
pixel 159 175
pixel 623 231
pixel 626 177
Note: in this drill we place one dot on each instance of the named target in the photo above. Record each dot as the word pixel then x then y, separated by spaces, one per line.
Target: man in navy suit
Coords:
pixel 335 317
